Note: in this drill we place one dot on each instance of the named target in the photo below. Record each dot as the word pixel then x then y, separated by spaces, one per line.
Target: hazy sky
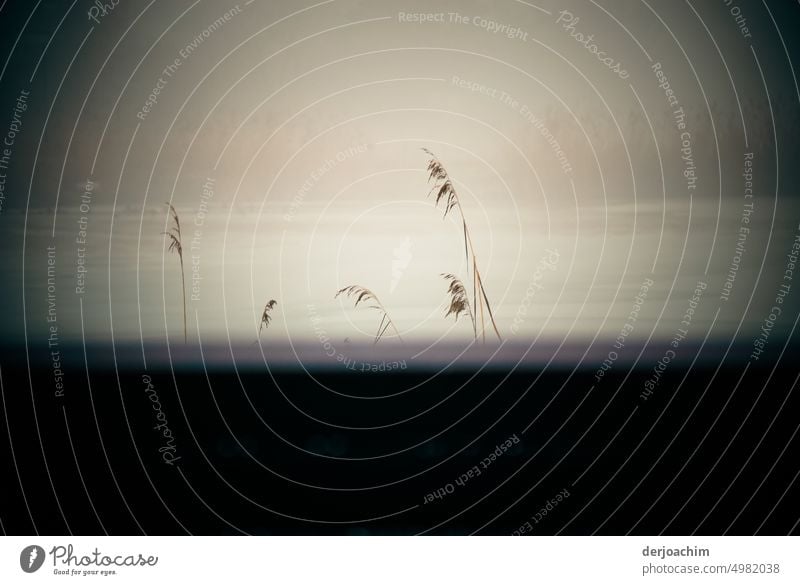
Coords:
pixel 304 124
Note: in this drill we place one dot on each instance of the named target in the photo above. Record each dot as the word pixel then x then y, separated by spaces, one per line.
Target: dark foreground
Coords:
pixel 223 451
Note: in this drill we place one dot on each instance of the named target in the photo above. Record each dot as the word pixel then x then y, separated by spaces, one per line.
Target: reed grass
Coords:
pixel 175 245
pixel 265 316
pixel 364 295
pixel 446 193
pixel 459 300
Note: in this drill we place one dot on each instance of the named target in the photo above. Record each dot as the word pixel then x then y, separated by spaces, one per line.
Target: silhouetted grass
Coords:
pixel 265 316
pixel 459 301
pixel 175 245
pixel 364 295
pixel 446 192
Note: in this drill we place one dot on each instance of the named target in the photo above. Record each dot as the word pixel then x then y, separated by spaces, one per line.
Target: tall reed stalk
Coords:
pixel 446 192
pixel 175 245
pixel 365 295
